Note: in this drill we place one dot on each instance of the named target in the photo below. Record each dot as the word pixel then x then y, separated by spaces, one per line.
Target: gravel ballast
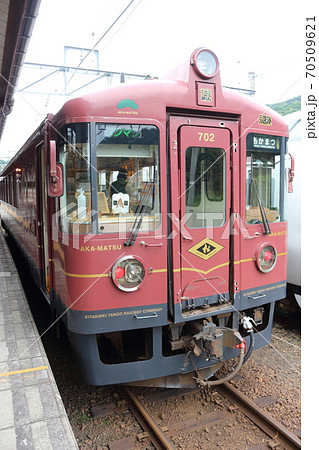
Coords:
pixel 272 371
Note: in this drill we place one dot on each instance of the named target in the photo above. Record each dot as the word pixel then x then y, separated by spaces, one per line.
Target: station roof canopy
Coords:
pixel 17 19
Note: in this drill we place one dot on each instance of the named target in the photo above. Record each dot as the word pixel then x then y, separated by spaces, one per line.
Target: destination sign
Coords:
pixel 263 142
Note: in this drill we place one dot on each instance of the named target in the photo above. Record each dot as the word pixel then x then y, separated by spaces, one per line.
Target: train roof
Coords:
pixel 152 99
pixel 178 92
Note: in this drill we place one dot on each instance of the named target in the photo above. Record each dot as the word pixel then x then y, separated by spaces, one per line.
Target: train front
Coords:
pixel 169 238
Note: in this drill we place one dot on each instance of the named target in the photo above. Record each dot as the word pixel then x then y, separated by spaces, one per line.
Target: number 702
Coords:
pixel 206 137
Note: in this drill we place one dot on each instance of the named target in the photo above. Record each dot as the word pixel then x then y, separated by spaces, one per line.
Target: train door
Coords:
pixel 200 244
pixel 43 222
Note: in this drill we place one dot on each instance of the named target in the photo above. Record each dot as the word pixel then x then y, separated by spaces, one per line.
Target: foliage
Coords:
pixel 3 164
pixel 288 106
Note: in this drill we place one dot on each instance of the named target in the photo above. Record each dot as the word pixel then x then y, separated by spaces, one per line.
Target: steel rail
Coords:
pixel 262 419
pixel 157 436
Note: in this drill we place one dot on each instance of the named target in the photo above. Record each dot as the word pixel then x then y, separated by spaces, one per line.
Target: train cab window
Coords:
pixel 123 169
pixel 263 179
pixel 205 187
pixel 128 176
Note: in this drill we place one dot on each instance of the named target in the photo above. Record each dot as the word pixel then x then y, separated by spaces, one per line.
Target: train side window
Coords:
pixel 6 190
pixel 24 188
pixel 205 187
pixel 10 179
pixel 2 189
pixel 75 212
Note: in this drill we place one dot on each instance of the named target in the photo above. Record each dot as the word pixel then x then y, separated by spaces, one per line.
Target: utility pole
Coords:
pixel 251 81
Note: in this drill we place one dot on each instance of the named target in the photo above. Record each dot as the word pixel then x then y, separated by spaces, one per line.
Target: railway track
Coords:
pixel 264 421
pixel 160 438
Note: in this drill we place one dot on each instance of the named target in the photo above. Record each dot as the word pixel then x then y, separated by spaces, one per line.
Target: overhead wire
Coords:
pixel 89 52
pixel 103 36
pixel 124 21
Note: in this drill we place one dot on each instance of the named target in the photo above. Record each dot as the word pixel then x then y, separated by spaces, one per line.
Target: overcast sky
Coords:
pixel 152 37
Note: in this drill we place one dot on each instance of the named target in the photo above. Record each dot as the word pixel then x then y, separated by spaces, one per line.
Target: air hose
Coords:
pixel 251 344
pixel 243 356
pixel 228 377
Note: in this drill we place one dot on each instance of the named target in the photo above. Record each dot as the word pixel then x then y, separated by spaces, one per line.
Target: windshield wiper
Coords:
pixel 253 182
pixel 146 198
pixel 261 207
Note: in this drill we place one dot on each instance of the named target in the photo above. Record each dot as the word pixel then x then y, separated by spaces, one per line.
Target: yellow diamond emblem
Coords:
pixel 205 249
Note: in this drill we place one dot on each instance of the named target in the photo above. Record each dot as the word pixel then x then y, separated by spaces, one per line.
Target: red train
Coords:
pixel 153 219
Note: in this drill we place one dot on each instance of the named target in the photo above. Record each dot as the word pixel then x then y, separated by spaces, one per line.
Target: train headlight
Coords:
pixel 204 62
pixel 128 273
pixel 266 258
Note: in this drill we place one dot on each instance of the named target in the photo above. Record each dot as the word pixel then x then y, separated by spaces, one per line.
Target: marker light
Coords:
pixel 267 255
pixel 205 63
pixel 119 273
pixel 128 274
pixel 266 258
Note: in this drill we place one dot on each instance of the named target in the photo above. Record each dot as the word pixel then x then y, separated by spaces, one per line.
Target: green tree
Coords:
pixel 288 106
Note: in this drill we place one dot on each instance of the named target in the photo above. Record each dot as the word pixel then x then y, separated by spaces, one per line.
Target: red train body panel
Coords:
pixel 163 275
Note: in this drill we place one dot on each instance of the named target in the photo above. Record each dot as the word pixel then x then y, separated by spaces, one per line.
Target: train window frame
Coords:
pixel 92 220
pixel 135 148
pixel 217 216
pixel 74 144
pixel 266 153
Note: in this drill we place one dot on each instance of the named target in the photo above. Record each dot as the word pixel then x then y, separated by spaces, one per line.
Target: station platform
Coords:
pixel 32 414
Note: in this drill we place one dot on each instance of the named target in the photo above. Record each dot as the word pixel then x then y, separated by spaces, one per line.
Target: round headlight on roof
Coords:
pixel 205 63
